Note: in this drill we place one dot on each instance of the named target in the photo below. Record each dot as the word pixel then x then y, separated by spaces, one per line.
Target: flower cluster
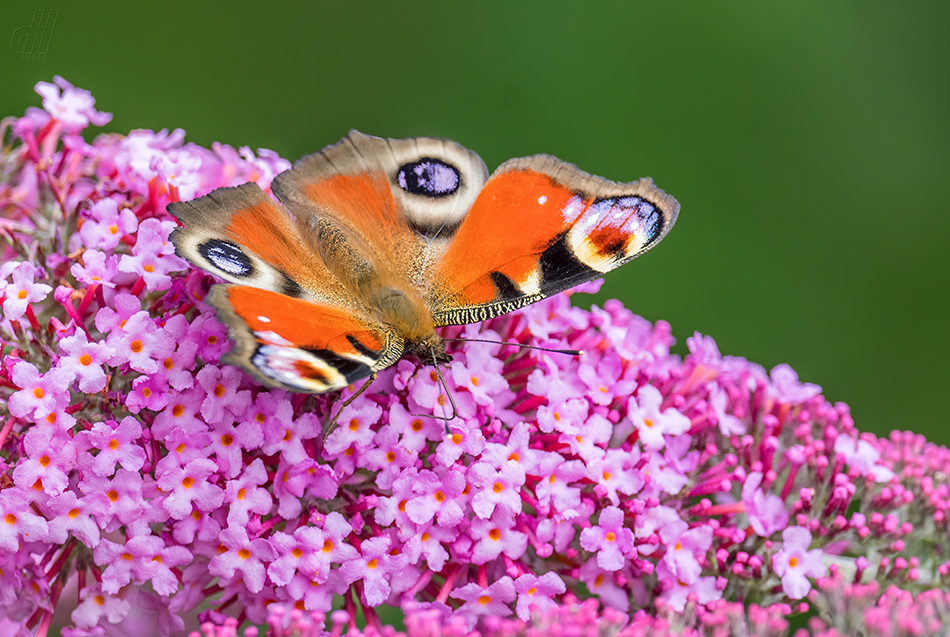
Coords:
pixel 141 480
pixel 846 609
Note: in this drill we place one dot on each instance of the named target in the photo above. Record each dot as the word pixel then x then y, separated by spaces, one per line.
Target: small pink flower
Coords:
pixel 74 107
pixel 654 425
pixel 114 501
pixel 245 494
pixel 18 522
pixel 496 536
pixel 237 552
pixel 536 594
pixel 568 417
pixel 148 392
pixel 50 454
pixel 69 513
pixel 39 394
pixel 374 567
pixel 95 604
pixel 494 487
pixel 434 496
pixel 787 389
pixel 109 319
pixel 354 427
pixel 222 398
pixel 481 601
pixel 703 589
pixel 103 229
pixel 767 513
pixel 115 443
pixel 862 455
pixel 189 486
pixel 609 539
pixel 153 256
pixel 617 474
pixel 140 343
pixel 23 291
pixel 794 563
pixel 84 361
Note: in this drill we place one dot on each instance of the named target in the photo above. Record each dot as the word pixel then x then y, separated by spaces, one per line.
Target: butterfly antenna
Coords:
pixel 571 352
pixel 330 425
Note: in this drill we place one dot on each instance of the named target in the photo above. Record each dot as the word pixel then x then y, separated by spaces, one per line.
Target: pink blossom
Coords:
pixel 787 389
pixel 496 536
pixel 49 456
pixel 140 343
pixel 74 107
pixel 70 514
pixel 492 600
pixel 84 361
pixel 17 522
pixel 96 604
pixel 115 443
pixel 653 424
pixel 22 291
pixel 609 540
pixel 862 455
pixel 374 568
pixel 239 553
pixel 496 488
pixel 535 594
pixel 40 394
pixel 702 590
pixel 794 563
pixel 189 486
pixel 103 229
pixel 435 496
pixel 767 513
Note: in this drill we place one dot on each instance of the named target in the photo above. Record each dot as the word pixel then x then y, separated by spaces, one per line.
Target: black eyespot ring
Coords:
pixel 227 257
pixel 429 177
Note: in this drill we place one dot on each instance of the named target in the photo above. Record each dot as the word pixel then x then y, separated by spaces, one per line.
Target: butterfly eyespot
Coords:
pixel 227 257
pixel 429 177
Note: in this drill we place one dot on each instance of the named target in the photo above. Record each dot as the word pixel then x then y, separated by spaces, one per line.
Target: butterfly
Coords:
pixel 377 242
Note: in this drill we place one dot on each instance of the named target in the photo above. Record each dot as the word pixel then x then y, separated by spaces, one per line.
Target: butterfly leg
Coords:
pixel 448 392
pixel 330 425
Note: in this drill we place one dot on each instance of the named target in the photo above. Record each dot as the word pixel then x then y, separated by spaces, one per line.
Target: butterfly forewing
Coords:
pixel 402 199
pixel 245 237
pixel 541 226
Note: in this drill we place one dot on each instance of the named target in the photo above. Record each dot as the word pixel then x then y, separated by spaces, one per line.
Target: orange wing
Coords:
pixel 541 226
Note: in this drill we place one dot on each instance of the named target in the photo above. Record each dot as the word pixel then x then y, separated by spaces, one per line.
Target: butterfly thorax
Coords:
pixel 399 305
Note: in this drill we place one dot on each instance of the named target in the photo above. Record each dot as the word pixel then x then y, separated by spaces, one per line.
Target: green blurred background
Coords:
pixel 808 142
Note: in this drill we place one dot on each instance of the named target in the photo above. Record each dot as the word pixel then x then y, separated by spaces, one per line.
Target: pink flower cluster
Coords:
pixel 845 609
pixel 141 480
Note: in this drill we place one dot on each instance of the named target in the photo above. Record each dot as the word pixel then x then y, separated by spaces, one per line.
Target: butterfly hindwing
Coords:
pixel 298 344
pixel 541 226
